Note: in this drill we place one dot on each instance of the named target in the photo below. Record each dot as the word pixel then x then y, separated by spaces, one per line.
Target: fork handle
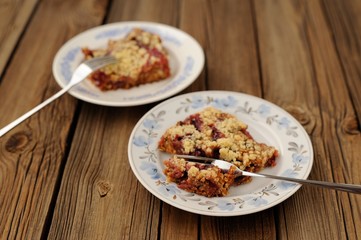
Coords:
pixel 352 188
pixel 32 111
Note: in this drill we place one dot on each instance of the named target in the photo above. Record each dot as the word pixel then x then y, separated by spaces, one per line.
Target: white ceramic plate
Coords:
pixel 186 60
pixel 267 123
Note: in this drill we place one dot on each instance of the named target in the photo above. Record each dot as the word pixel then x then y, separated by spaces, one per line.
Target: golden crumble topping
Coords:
pixel 216 134
pixel 141 59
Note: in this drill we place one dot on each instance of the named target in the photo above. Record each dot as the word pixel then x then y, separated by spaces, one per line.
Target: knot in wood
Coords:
pixel 103 188
pixel 300 114
pixel 18 141
pixel 350 126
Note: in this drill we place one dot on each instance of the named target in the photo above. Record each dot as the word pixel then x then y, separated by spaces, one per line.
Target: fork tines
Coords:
pixel 99 62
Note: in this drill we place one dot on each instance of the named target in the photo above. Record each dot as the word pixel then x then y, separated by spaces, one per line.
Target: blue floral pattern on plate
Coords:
pixel 294 145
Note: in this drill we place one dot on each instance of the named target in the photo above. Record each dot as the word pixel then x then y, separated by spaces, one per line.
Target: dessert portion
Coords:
pixel 202 179
pixel 215 134
pixel 141 59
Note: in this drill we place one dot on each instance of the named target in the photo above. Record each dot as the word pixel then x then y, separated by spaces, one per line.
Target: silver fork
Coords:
pixel 80 73
pixel 224 165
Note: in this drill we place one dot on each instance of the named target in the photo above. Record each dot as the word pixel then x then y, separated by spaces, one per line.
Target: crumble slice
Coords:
pixel 202 179
pixel 216 134
pixel 141 59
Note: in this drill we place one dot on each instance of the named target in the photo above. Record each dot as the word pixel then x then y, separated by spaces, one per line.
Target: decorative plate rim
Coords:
pixel 226 206
pixel 185 53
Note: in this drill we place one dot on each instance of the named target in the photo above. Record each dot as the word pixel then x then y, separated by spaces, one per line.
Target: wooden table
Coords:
pixel 64 172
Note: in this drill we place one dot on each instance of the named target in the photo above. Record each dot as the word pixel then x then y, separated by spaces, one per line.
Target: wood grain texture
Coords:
pixel 31 155
pixel 345 21
pixel 15 15
pixel 64 173
pixel 292 37
pixel 145 10
pixel 232 65
pixel 288 79
pixel 192 20
pixel 175 223
pixel 99 195
pixel 232 61
pixel 242 227
pixel 130 222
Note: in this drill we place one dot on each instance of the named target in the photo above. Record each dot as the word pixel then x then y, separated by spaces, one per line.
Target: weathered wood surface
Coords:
pixel 32 155
pixel 64 172
pixel 15 15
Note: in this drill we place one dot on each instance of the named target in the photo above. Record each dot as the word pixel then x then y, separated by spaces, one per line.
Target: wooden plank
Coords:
pixel 344 113
pixel 143 10
pixel 15 15
pixel 232 62
pixel 186 223
pixel 176 223
pixel 137 211
pixel 254 226
pixel 192 20
pixel 31 155
pixel 345 23
pixel 304 79
pixel 105 200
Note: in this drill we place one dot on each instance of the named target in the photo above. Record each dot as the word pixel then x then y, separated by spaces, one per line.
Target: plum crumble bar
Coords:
pixel 216 134
pixel 141 59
